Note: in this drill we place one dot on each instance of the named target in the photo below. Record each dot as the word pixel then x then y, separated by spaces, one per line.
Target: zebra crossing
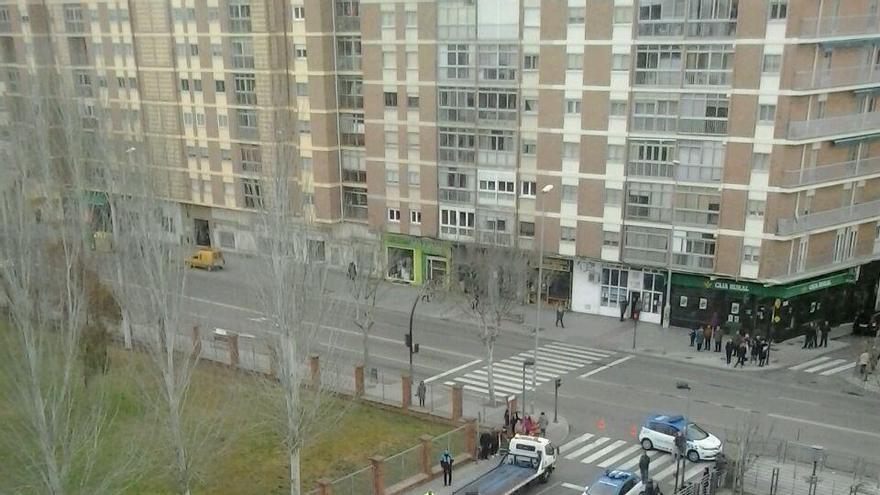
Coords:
pixel 554 360
pixel 608 453
pixel 825 366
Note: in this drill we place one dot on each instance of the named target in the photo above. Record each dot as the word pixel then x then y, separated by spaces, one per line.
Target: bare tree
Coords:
pixel 57 430
pixel 492 283
pixel 747 445
pixel 366 277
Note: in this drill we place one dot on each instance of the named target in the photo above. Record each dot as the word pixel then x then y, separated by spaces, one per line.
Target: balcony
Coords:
pixel 834 78
pixel 348 24
pixel 696 28
pixel 828 218
pixel 495 237
pixel 840 26
pixel 835 171
pixel 831 126
pixel 348 62
pixel 455 195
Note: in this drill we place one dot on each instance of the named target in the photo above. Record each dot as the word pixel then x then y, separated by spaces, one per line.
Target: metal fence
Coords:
pixel 403 465
pixel 454 441
pixel 357 483
pixel 704 483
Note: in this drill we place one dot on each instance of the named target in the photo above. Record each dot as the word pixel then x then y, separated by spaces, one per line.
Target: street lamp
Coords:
pixel 527 362
pixel 687 422
pixel 667 306
pixel 544 190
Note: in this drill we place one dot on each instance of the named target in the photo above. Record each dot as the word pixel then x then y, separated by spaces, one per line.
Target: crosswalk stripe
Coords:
pixel 662 475
pixel 620 455
pixel 828 364
pixel 595 456
pixel 544 360
pixel 583 450
pixel 518 370
pixel 838 369
pixel 543 364
pixel 500 386
pixel 505 374
pixel 572 486
pixel 653 454
pixel 609 365
pixel 565 360
pixel 690 473
pixel 810 363
pixel 579 352
pixel 483 385
pixel 577 441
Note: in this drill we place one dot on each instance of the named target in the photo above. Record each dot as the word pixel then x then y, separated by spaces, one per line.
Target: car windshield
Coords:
pixel 602 488
pixel 696 433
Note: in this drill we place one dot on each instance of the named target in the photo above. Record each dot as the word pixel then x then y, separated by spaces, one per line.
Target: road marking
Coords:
pixel 603 368
pixel 588 350
pixel 583 450
pixel 810 363
pixel 825 365
pixel 824 425
pixel 579 440
pixel 620 455
pixel 453 370
pixel 838 369
pixel 595 456
pixel 576 355
pixel 797 400
pixel 572 486
pixel 664 473
pixel 653 454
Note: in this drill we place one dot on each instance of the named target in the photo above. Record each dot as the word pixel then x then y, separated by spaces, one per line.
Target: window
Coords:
pixel 658 65
pixel 247 118
pixel 220 86
pixel 412 60
pixel 576 15
pixel 388 19
pixel 766 113
pixel 456 222
pixel 415 217
pixel 299 13
pixel 411 19
pixel 200 119
pixel 620 61
pixel 618 109
pixel 304 126
pixel 392 176
pixel 571 150
pixel 412 102
pixel 197 85
pixel 132 83
pixel 239 17
pixel 708 65
pixel 529 188
pixel 73 19
pixel 184 84
pixel 120 82
pixel 778 9
pixel 222 120
pixel 316 250
pixel 391 138
pixel 253 195
pixel 187 119
pixel 412 140
pixel 845 244
pixel 302 89
pixel 569 193
pixel 498 62
pixel 414 177
pixel 613 197
pixel 623 15
pixel 572 107
pixel 527 229
pixel 225 155
pixel 530 105
pixel 300 51
pixel 496 104
pixel 530 62
pixel 761 161
pixel 216 50
pixel 616 152
pixel 529 148
pixel 457 145
pixel 390 99
pixel 306 163
pixel 771 64
pixel 194 49
pixel 242 53
pixel 389 60
pixel 751 255
pixel 245 89
pixel 567 234
pixel 610 239
pixel 456 61
pixel 756 208
pixel 393 215
pixel 251 158
pixel 574 61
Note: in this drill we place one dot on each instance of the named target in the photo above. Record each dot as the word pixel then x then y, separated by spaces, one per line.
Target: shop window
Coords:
pixel 400 264
pixel 614 286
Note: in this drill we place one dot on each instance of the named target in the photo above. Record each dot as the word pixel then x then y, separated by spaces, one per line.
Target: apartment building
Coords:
pixel 716 158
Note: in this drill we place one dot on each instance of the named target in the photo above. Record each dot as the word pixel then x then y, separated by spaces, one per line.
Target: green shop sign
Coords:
pixel 760 290
pixel 425 245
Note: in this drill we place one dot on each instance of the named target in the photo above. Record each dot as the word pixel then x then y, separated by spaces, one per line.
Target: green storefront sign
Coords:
pixel 761 290
pixel 428 257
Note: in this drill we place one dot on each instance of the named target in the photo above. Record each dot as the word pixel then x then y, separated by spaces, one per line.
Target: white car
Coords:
pixel 659 432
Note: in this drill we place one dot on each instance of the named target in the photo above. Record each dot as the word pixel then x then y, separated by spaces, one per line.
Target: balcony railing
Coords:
pixel 495 237
pixel 835 171
pixel 661 28
pixel 656 77
pixel 854 25
pixel 829 126
pixel 346 62
pixel 455 195
pixel 832 78
pixel 355 212
pixel 345 23
pixel 677 28
pixel 828 218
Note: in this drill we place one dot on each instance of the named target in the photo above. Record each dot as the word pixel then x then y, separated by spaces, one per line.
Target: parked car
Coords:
pixel 659 432
pixel 866 324
pixel 207 259
pixel 616 482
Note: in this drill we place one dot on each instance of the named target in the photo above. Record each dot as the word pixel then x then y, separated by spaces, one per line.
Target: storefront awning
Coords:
pixel 755 289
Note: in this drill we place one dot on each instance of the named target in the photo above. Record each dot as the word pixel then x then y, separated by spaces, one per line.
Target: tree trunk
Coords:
pixel 365 336
pixel 293 407
pixel 295 480
pixel 490 359
pixel 179 444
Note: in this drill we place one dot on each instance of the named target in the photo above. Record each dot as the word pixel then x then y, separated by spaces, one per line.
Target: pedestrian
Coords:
pixel 826 329
pixel 542 424
pixel 623 304
pixel 352 270
pixel 728 350
pixel 446 461
pixel 864 359
pixel 679 445
pixel 507 418
pixel 756 348
pixel 700 337
pixel 560 312
pixel 421 391
pixel 763 352
pixel 707 337
pixel 527 425
pixel 644 465
pixel 719 336
pixel 694 335
pixel 514 421
pixel 741 354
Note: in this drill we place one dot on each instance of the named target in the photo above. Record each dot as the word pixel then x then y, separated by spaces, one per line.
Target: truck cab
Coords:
pixel 535 452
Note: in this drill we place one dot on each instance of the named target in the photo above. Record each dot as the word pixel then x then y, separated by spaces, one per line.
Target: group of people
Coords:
pixel 527 426
pixel 702 337
pixel 743 347
pixel 816 330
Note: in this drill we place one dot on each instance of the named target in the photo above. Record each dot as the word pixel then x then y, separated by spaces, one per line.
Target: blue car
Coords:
pixel 616 482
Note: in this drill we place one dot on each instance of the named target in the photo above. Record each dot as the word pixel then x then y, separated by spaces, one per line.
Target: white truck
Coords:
pixel 528 459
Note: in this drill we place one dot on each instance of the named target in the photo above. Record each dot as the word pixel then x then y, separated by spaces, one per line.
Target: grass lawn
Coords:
pixel 245 454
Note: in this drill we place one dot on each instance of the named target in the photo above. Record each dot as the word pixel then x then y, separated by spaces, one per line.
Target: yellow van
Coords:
pixel 206 258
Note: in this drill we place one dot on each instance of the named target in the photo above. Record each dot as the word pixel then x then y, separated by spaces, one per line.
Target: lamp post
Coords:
pixel 544 190
pixel 687 422
pixel 667 306
pixel 527 362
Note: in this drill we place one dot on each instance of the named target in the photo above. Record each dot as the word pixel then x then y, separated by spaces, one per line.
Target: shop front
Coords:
pixel 762 309
pixel 556 289
pixel 415 260
pixel 601 288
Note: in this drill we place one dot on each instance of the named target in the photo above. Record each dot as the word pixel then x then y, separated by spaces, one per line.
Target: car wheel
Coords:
pixel 693 456
pixel 647 444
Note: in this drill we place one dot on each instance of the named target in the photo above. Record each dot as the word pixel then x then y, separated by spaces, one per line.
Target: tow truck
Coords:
pixel 527 460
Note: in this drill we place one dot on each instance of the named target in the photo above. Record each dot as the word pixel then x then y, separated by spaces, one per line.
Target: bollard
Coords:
pixel 378 464
pixel 315 369
pixel 425 456
pixel 406 386
pixel 325 487
pixel 456 402
pixel 359 380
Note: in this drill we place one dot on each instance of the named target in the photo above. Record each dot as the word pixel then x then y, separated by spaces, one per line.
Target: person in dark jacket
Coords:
pixel 826 329
pixel 644 465
pixel 728 350
pixel 446 461
pixel 718 338
pixel 623 305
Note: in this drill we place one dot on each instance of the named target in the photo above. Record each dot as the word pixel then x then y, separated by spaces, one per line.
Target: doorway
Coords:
pixel 436 270
pixel 202 232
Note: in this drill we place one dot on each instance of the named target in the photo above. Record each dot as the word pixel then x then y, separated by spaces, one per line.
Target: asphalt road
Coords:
pixel 789 404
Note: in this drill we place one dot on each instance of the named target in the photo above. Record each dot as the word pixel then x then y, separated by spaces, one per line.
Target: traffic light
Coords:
pixel 558 382
pixel 407 339
pixel 416 349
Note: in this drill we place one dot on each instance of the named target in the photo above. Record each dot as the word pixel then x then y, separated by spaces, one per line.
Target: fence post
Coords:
pixel 470 437
pixel 359 380
pixel 426 454
pixel 325 487
pixel 406 389
pixel 315 369
pixel 196 342
pixel 233 350
pixel 377 462
pixel 456 402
